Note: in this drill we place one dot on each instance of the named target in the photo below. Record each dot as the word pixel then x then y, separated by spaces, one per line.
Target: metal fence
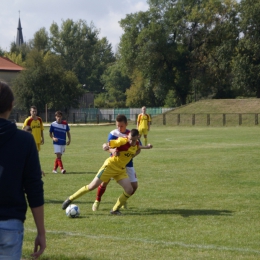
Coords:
pixel 207 119
pixel 91 115
pixel 160 116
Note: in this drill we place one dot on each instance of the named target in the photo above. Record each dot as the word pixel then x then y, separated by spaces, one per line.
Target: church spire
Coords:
pixel 19 36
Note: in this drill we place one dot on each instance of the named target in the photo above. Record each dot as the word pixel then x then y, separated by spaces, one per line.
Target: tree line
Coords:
pixel 176 52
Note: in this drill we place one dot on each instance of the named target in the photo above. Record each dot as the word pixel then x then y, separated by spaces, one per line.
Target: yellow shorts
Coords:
pixel 106 172
pixel 143 131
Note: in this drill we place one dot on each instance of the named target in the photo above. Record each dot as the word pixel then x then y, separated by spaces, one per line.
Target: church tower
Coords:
pixel 19 36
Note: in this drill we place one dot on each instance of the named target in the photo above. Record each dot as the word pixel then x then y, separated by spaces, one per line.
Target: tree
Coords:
pixel 45 81
pixel 183 46
pixel 81 51
pixel 115 82
pixel 41 40
pixel 246 64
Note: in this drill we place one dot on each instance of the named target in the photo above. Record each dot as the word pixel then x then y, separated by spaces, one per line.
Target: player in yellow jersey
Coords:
pixel 36 125
pixel 113 167
pixel 143 124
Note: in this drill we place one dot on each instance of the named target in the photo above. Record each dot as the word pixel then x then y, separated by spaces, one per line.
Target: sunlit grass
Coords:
pixel 198 198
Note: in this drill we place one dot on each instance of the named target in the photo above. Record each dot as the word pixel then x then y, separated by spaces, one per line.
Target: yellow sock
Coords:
pixel 79 193
pixel 121 200
pixel 145 141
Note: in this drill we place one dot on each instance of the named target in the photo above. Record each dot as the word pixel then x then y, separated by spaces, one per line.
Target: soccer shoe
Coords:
pixel 66 203
pixel 63 171
pixel 95 205
pixel 54 171
pixel 115 212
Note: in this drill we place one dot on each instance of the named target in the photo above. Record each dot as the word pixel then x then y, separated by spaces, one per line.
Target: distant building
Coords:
pixel 19 36
pixel 8 70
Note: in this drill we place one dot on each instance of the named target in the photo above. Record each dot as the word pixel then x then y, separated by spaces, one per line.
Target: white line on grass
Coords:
pixel 173 243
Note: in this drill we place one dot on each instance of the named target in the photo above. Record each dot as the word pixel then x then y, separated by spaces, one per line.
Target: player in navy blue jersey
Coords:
pixel 58 131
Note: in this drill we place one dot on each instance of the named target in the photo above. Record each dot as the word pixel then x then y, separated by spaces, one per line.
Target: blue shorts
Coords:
pixel 11 239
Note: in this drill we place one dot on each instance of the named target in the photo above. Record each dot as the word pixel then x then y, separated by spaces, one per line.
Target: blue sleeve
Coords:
pixel 111 137
pixel 51 129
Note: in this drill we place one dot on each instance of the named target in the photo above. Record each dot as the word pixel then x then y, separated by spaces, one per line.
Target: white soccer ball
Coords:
pixel 72 211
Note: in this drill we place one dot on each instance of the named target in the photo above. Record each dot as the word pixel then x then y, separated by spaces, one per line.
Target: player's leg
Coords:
pixel 85 189
pixel 133 179
pixel 145 132
pixel 103 175
pixel 58 150
pixel 128 190
pixel 100 191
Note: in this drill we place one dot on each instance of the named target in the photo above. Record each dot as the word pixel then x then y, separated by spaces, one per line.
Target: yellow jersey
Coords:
pixel 37 127
pixel 126 153
pixel 143 120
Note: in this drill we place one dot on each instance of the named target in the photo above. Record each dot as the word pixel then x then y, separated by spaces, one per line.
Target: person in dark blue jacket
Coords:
pixel 20 180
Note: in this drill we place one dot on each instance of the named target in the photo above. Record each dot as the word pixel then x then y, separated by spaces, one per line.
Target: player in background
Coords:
pixel 58 131
pixel 120 131
pixel 29 130
pixel 143 124
pixel 113 167
pixel 35 122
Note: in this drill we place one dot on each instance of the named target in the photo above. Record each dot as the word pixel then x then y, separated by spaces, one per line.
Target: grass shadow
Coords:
pixel 183 212
pixel 67 173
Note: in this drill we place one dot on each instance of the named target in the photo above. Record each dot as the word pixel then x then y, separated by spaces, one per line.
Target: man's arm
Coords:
pixel 149 146
pixel 69 137
pixel 42 137
pixel 40 240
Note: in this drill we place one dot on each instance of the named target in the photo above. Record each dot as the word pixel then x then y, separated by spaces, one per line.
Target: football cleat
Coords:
pixel 66 203
pixel 54 171
pixel 115 212
pixel 95 205
pixel 63 171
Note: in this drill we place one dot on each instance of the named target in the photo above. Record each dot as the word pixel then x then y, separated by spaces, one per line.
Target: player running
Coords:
pixel 120 131
pixel 113 167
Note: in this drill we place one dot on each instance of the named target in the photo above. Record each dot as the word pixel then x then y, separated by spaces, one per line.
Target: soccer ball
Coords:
pixel 72 211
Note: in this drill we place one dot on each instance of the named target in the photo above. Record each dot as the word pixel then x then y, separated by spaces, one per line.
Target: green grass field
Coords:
pixel 198 198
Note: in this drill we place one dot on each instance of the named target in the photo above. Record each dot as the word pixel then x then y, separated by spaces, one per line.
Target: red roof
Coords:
pixel 6 64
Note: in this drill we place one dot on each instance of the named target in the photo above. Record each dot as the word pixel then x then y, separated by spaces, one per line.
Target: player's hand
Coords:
pixel 150 146
pixel 43 174
pixel 68 143
pixel 115 152
pixel 39 246
pixel 105 147
pixel 42 142
pixel 55 139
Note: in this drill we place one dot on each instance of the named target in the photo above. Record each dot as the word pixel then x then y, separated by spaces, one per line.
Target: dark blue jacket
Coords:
pixel 20 172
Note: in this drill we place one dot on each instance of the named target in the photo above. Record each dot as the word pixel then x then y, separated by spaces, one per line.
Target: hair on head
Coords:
pixel 6 97
pixel 121 118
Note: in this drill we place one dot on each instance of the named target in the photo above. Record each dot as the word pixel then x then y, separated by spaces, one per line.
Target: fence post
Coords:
pixel 224 119
pixel 164 119
pixel 240 119
pixel 110 118
pixel 85 118
pixel 178 119
pixel 256 119
pixel 74 120
pixel 193 119
pixel 97 119
pixel 208 119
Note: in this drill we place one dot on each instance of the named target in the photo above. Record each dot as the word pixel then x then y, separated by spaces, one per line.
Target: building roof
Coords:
pixel 6 64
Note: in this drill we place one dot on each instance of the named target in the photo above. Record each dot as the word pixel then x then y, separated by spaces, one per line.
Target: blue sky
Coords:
pixel 34 15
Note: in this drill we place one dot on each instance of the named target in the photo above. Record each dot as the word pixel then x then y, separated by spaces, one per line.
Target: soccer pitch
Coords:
pixel 198 198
